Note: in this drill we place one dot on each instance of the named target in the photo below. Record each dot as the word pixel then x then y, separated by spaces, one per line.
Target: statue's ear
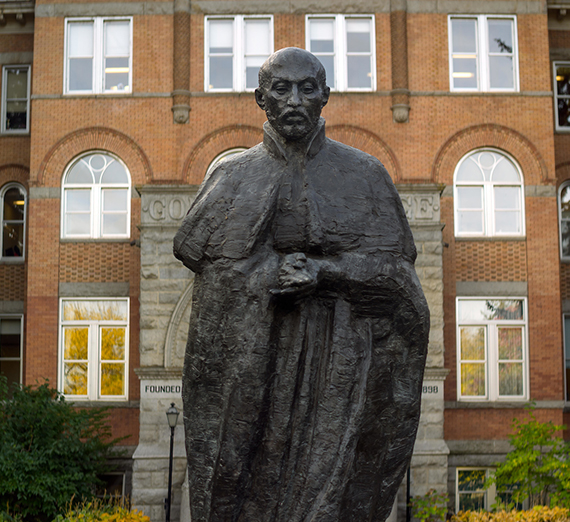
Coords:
pixel 326 94
pixel 260 98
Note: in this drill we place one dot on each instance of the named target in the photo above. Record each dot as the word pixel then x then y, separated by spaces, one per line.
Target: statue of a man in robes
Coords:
pixel 309 329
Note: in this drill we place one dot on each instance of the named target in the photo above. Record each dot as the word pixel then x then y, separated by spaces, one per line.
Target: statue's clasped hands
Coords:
pixel 297 276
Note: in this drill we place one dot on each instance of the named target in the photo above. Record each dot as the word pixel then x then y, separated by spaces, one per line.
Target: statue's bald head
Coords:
pixel 292 57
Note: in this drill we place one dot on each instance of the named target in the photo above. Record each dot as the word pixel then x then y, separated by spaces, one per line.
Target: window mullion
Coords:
pixel 340 58
pixel 483 53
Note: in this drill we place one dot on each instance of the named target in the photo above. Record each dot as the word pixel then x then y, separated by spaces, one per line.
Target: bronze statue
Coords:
pixel 309 328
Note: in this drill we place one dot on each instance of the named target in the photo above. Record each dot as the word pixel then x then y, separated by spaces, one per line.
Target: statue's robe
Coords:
pixel 300 410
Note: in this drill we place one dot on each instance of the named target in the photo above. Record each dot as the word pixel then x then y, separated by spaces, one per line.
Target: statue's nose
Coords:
pixel 294 99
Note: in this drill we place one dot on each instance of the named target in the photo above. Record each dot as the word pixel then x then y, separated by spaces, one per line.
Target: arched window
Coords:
pixel 564 216
pixel 13 198
pixel 96 198
pixel 488 195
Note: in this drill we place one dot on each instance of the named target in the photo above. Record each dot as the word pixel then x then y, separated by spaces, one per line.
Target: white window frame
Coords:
pixel 3 190
pixel 21 357
pixel 96 201
pixel 3 108
pixel 98 85
pixel 340 49
pixel 565 356
pixel 483 75
pixel 488 199
pixel 491 351
pixel 94 355
pixel 239 62
pixel 555 65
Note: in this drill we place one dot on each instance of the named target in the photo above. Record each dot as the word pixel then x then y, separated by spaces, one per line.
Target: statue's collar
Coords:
pixel 310 146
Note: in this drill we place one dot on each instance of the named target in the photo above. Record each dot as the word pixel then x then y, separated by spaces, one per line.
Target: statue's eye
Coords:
pixel 280 90
pixel 308 89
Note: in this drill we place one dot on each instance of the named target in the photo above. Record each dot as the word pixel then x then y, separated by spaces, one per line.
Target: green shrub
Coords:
pixel 537 514
pixel 50 452
pixel 431 507
pixel 538 468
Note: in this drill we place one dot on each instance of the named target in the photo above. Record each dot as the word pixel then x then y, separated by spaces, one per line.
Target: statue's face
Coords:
pixel 293 99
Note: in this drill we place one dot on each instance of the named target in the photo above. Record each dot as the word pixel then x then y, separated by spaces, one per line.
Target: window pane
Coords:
pixel 470 198
pixel 563 112
pixel 10 370
pixel 252 65
pixel 78 224
pixel 464 73
pixel 221 72
pixel 358 36
pixel 14 204
pixel 507 198
pixel 112 379
pixel 321 34
pixel 75 378
pixel 507 222
pixel 78 200
pixel 565 238
pixel 473 379
pixel 116 74
pixel 359 75
pixel 114 173
pixel 257 37
pixel 95 310
pixel 510 343
pixel 115 199
pixel 75 344
pixel 472 501
pixel 17 83
pixel 487 310
pixel 472 343
pixel 563 79
pixel 16 115
pixel 500 36
pixel 221 36
pixel 114 224
pixel 501 72
pixel 79 173
pixel 565 202
pixel 505 171
pixel 469 480
pixel 80 74
pixel 463 36
pixel 117 38
pixel 469 171
pixel 510 379
pixel 80 39
pixel 10 338
pixel 328 64
pixel 13 240
pixel 470 222
pixel 113 344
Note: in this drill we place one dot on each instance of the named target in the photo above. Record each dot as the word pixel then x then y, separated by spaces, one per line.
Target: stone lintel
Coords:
pixel 94 289
pixel 158 373
pixel 491 288
pixel 12 307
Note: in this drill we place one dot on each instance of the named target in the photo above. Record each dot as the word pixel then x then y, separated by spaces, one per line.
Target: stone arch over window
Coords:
pixel 488 195
pixel 530 161
pixel 96 197
pixel 13 211
pixel 369 143
pixel 90 139
pixel 214 145
pixel 222 157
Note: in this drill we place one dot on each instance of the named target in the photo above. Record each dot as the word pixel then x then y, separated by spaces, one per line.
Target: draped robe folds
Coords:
pixel 305 409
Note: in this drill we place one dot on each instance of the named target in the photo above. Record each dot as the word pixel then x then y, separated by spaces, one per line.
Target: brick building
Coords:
pixel 112 112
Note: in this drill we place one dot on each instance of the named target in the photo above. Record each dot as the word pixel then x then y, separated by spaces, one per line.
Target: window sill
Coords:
pixel 95 240
pixel 102 403
pixel 490 238
pixel 501 404
pixel 25 134
pixel 12 260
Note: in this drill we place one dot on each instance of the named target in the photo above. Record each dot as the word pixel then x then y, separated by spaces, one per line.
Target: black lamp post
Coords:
pixel 172 416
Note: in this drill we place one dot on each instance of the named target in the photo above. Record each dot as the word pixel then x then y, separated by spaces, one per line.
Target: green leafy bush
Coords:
pixel 431 507
pixel 50 452
pixel 538 468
